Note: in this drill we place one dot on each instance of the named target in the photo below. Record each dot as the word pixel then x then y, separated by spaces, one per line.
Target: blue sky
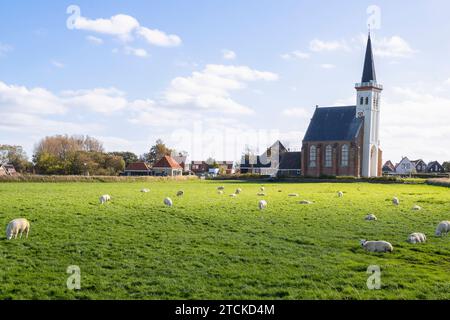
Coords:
pixel 210 77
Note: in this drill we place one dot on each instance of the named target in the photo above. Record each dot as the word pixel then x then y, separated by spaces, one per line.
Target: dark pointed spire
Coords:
pixel 369 65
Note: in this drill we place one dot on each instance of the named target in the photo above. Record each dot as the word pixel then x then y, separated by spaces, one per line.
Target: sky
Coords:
pixel 214 77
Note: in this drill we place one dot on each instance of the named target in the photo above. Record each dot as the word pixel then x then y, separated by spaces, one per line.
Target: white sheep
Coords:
pixel 168 202
pixel 105 198
pixel 293 195
pixel 220 192
pixel 238 191
pixel 262 204
pixel 416 238
pixel 377 246
pixel 371 217
pixel 180 193
pixel 340 194
pixel 305 202
pixel 396 201
pixel 443 228
pixel 416 208
pixel 233 195
pixel 17 226
pixel 145 190
pixel 262 189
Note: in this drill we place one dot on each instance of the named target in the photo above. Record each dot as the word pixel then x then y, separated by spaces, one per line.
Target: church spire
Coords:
pixel 369 65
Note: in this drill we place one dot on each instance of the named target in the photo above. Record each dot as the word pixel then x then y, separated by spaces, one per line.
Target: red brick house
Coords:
pixel 138 169
pixel 167 166
pixel 199 167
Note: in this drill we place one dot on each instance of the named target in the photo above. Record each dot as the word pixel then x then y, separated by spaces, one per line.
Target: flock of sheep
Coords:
pixel 22 226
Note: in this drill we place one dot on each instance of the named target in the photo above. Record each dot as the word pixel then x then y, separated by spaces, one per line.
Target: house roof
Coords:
pixel 334 124
pixel 138 166
pixel 167 162
pixel 389 165
pixel 369 65
pixel 291 161
pixel 180 159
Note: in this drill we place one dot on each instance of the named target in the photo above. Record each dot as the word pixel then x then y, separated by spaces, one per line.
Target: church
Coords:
pixel 344 141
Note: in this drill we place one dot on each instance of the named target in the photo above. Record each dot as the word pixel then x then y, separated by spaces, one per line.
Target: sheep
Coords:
pixel 280 190
pixel 377 246
pixel 262 205
pixel 340 194
pixel 233 195
pixel 220 192
pixel 416 208
pixel 305 202
pixel 293 195
pixel 395 201
pixel 17 226
pixel 262 189
pixel 238 190
pixel 145 190
pixel 261 194
pixel 416 238
pixel 221 188
pixel 105 198
pixel 180 193
pixel 168 202
pixel 371 217
pixel 443 228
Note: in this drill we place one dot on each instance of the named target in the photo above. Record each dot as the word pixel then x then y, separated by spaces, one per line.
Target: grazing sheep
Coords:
pixel 443 228
pixel 416 208
pixel 377 246
pixel 233 195
pixel 221 188
pixel 293 195
pixel 280 190
pixel 105 198
pixel 395 201
pixel 261 194
pixel 371 217
pixel 416 238
pixel 305 202
pixel 262 189
pixel 238 191
pixel 262 205
pixel 220 192
pixel 145 190
pixel 17 226
pixel 168 202
pixel 180 193
pixel 340 194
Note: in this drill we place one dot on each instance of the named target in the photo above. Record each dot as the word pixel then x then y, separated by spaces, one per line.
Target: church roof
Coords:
pixel 334 124
pixel 369 65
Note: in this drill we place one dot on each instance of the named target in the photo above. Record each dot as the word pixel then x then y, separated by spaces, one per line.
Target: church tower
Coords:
pixel 368 107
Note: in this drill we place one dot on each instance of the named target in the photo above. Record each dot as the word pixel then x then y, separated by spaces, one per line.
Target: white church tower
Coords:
pixel 368 106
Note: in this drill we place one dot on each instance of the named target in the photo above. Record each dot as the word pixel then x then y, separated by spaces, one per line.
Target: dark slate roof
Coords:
pixel 334 124
pixel 291 161
pixel 369 65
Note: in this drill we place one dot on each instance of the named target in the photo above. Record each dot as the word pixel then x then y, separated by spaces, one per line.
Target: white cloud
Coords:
pixel 317 45
pixel 141 53
pixel 295 55
pixel 211 88
pixel 100 100
pixel 159 38
pixel 297 113
pixel 228 54
pixel 57 64
pixel 4 49
pixel 94 40
pixel 327 66
pixel 393 47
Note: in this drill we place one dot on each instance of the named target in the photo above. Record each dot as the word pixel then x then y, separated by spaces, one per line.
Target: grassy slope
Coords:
pixel 210 246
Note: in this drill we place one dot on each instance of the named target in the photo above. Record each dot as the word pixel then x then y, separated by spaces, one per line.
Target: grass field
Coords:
pixel 213 247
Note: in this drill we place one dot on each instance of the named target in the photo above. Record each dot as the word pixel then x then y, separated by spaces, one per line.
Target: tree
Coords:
pixel 16 156
pixel 446 166
pixel 128 157
pixel 157 151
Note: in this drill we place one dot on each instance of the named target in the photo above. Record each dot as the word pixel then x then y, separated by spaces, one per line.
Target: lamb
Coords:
pixel 416 238
pixel 105 198
pixel 377 246
pixel 293 195
pixel 371 217
pixel 168 202
pixel 180 193
pixel 145 190
pixel 305 202
pixel 262 205
pixel 17 226
pixel 340 194
pixel 238 190
pixel 443 228
pixel 416 208
pixel 395 201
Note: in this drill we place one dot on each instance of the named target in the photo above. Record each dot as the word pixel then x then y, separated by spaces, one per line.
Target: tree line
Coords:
pixel 76 155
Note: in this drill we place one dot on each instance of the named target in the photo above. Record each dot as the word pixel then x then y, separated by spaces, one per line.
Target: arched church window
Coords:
pixel 367 100
pixel 361 101
pixel 312 156
pixel 344 155
pixel 328 156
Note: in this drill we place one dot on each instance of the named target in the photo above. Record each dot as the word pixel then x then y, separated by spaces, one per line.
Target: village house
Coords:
pixel 138 169
pixel 199 167
pixel 435 167
pixel 167 166
pixel 405 167
pixel 182 161
pixel 420 166
pixel 388 167
pixel 8 170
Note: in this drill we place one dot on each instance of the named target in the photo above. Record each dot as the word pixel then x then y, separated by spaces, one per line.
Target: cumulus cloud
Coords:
pixel 228 54
pixel 211 88
pixel 297 54
pixel 317 45
pixel 141 53
pixel 392 47
pixel 94 40
pixel 159 38
pixel 100 100
pixel 297 113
